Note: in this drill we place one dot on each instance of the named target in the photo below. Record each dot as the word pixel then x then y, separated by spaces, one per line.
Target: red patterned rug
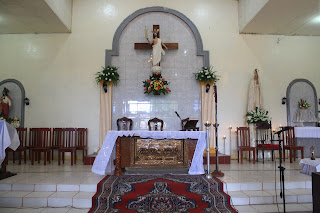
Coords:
pixel 160 193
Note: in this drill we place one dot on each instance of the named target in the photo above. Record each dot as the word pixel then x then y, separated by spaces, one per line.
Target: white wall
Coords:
pixel 63 9
pixel 57 70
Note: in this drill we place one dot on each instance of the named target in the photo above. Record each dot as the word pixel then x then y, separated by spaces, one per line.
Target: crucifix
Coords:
pixel 147 46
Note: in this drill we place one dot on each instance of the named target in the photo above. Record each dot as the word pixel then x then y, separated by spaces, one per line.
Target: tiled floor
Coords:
pixel 70 188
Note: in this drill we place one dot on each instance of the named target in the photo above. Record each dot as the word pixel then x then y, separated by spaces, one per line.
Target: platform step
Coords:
pixel 270 197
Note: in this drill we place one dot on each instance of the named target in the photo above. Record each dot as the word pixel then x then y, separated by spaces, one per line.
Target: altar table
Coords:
pixel 309 166
pixel 105 158
pixel 8 138
pixel 307 137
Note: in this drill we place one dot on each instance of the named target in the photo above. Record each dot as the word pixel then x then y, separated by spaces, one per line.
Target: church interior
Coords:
pixel 100 92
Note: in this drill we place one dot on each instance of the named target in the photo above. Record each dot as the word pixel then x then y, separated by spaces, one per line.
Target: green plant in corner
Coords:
pixel 257 115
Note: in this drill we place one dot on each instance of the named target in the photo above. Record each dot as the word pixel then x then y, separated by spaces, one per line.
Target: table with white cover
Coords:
pixel 104 161
pixel 8 138
pixel 307 137
pixel 309 166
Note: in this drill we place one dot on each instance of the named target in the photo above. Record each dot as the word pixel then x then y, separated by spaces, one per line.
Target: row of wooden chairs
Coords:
pixel 47 140
pixel 265 142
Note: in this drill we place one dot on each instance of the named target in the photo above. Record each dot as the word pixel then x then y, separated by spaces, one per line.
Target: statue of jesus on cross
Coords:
pixel 156 47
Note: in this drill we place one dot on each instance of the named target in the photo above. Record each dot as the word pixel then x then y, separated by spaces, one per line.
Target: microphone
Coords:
pixel 283 130
pixel 177 115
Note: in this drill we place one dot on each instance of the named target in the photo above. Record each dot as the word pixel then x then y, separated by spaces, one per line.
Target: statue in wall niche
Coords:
pixel 5 103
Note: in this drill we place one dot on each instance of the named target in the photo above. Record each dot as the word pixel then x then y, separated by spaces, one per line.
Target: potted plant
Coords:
pixel 303 104
pixel 156 86
pixel 257 116
pixel 107 76
pixel 206 75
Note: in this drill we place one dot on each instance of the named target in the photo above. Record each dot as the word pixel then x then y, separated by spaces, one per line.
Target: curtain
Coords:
pixel 207 111
pixel 105 112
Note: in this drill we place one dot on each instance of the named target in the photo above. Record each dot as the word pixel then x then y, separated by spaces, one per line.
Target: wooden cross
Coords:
pixel 147 46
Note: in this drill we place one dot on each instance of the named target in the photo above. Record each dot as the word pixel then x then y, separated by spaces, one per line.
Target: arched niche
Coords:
pixel 17 95
pixel 178 66
pixel 301 89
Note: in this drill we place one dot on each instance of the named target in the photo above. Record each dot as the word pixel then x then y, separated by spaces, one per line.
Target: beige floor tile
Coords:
pixel 245 209
pixel 265 208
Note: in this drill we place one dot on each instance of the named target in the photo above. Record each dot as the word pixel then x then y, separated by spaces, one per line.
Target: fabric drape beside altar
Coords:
pixel 207 110
pixel 105 112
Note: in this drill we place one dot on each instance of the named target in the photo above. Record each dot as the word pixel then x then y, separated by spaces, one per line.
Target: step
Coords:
pixel 257 197
pixel 31 199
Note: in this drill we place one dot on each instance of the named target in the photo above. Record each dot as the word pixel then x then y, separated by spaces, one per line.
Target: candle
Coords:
pixel 207 122
pixel 146 33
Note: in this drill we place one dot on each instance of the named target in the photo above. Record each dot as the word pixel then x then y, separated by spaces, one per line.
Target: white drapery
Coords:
pixel 207 110
pixel 8 138
pixel 104 161
pixel 105 112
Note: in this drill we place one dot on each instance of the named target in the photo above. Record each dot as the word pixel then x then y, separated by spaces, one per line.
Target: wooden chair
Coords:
pixel 42 139
pixel 155 122
pixel 264 139
pixel 243 143
pixel 81 142
pixel 124 124
pixel 289 143
pixel 22 133
pixel 57 138
pixel 68 144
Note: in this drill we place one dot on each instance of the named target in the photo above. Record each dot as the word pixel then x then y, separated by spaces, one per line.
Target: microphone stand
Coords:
pixel 281 168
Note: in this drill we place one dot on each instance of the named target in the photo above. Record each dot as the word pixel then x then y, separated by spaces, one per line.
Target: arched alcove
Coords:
pixel 17 95
pixel 301 89
pixel 178 66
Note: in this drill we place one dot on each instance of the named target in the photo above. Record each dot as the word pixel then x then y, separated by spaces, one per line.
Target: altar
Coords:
pixel 308 137
pixel 104 162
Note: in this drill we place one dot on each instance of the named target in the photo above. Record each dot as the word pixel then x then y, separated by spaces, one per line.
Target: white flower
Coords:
pixel 112 73
pixel 209 76
pixel 110 79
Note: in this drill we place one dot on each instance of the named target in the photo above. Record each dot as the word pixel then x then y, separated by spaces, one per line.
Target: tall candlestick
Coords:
pixel 230 127
pixel 224 144
pixel 207 125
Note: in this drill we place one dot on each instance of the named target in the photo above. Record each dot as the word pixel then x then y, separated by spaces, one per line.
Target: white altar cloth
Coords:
pixel 8 138
pixel 309 166
pixel 104 160
pixel 307 132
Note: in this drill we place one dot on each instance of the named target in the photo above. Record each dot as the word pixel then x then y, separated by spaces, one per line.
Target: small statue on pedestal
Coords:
pixel 312 152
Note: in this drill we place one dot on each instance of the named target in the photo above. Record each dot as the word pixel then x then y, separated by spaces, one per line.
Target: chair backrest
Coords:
pixel 22 133
pixel 289 138
pixel 124 124
pixel 40 137
pixel 263 133
pixel 154 124
pixel 69 137
pixel 243 137
pixel 57 137
pixel 81 137
pixel 183 122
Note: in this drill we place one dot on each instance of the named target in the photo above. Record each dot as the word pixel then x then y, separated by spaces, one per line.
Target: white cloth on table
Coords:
pixel 307 132
pixel 104 160
pixel 309 166
pixel 8 138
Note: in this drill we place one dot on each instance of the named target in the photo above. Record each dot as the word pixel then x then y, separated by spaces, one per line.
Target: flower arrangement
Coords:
pixel 15 122
pixel 107 75
pixel 156 86
pixel 257 115
pixel 303 104
pixel 206 74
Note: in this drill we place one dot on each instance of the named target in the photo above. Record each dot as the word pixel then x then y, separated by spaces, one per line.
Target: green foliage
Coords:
pixel 258 115
pixel 108 74
pixel 303 104
pixel 206 74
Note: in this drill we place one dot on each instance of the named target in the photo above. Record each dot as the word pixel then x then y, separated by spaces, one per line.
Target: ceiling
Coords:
pixel 29 16
pixel 277 17
pixel 286 17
